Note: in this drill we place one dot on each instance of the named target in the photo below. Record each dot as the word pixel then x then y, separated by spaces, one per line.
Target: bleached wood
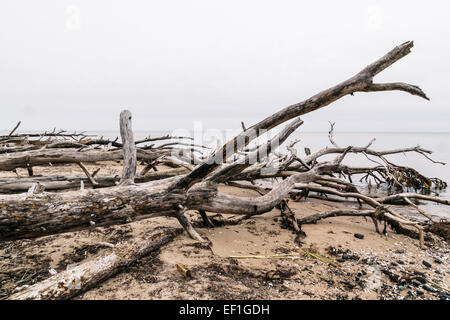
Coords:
pixel 129 149
pixel 78 279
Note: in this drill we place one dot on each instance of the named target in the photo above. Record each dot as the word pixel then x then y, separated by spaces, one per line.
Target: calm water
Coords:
pixel 439 143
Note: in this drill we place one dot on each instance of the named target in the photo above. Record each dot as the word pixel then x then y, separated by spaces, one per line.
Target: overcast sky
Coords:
pixel 76 64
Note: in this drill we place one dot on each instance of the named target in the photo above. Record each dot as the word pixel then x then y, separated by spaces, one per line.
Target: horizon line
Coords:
pixel 165 130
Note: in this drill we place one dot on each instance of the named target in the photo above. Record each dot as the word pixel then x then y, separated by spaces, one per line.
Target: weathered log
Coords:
pixel 52 156
pixel 78 279
pixel 410 195
pixel 60 134
pixel 36 145
pixel 56 183
pixel 26 217
pixel 129 149
pixel 116 144
pixel 335 213
pixel 45 214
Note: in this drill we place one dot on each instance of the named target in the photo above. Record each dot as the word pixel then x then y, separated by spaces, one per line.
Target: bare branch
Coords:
pixel 360 82
pixel 15 128
pixel 400 86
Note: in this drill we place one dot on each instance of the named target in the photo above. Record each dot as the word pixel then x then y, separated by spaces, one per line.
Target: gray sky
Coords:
pixel 76 64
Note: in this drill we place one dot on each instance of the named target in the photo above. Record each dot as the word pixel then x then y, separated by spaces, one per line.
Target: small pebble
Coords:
pixel 422 280
pixel 52 272
pixel 419 293
pixel 418 273
pixel 428 288
pixel 359 235
pixel 444 296
pixel 415 283
pixel 426 264
pixel 400 251
pixel 400 262
pixel 437 260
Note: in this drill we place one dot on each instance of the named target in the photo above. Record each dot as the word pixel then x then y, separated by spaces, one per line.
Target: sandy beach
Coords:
pixel 243 261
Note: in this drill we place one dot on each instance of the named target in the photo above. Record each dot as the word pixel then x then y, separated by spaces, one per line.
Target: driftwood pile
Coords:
pixel 30 208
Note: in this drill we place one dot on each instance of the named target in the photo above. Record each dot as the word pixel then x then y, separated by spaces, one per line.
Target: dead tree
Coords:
pixel 129 149
pixel 51 213
pixel 196 188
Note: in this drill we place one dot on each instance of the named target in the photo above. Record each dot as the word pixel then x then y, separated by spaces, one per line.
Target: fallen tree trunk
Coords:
pixel 53 156
pixel 55 183
pixel 74 281
pixel 43 214
pixel 52 213
pixel 335 213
